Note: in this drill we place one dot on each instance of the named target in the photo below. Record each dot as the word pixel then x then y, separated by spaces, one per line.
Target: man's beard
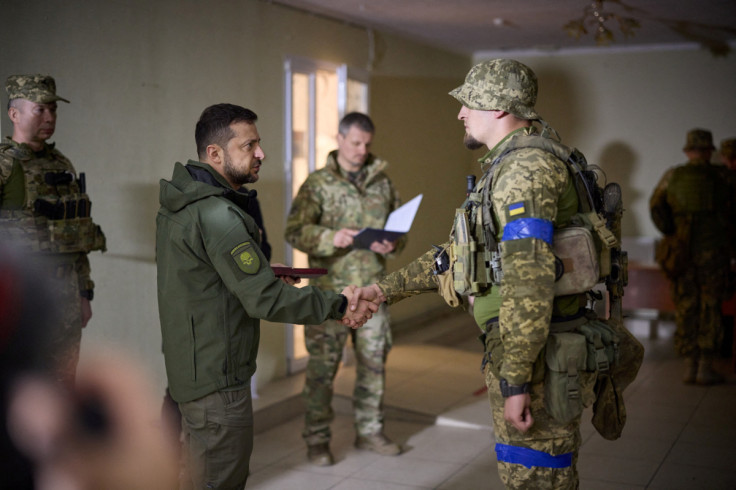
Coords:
pixel 471 143
pixel 236 176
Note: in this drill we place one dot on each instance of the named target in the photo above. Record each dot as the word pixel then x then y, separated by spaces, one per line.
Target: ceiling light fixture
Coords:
pixel 595 16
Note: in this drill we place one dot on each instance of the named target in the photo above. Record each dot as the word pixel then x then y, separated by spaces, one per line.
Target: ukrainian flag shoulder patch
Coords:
pixel 246 258
pixel 516 209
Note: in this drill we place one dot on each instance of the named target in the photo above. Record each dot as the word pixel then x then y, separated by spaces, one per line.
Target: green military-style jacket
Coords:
pixel 326 202
pixel 215 284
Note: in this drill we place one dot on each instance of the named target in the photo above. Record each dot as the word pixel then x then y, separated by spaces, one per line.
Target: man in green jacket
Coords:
pixel 214 286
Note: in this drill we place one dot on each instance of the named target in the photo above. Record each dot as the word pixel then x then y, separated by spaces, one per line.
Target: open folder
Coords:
pixel 398 224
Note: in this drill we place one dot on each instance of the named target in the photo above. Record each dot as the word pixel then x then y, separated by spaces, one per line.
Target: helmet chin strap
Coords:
pixel 548 131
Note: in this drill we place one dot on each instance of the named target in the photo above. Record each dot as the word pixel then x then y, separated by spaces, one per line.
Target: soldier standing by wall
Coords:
pixel 44 209
pixel 351 192
pixel 694 207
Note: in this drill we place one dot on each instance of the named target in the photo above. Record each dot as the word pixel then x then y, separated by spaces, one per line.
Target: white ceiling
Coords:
pixel 473 26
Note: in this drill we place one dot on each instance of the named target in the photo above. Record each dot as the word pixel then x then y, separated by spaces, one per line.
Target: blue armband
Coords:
pixel 531 457
pixel 528 228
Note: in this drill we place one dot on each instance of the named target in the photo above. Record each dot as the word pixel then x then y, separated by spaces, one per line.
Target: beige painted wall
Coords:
pixel 138 74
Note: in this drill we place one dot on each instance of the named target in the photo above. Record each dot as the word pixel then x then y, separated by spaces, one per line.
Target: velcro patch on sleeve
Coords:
pixel 517 210
pixel 246 258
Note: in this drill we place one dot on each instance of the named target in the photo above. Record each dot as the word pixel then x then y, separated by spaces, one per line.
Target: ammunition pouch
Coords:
pixel 462 254
pixel 568 384
pixel 39 234
pixel 578 352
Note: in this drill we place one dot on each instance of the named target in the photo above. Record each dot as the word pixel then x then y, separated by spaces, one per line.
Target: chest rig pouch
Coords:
pixel 55 217
pixel 582 248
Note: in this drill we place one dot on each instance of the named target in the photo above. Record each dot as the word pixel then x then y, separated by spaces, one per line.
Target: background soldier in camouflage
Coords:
pixel 693 205
pixel 350 193
pixel 44 209
pixel 532 188
pixel 728 152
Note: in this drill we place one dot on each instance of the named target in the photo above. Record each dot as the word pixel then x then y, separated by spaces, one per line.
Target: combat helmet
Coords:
pixel 699 139
pixel 500 84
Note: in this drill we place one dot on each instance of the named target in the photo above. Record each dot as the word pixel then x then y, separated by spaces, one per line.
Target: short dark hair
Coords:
pixel 356 119
pixel 213 126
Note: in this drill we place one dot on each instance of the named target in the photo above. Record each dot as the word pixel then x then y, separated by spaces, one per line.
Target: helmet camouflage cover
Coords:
pixel 699 139
pixel 500 84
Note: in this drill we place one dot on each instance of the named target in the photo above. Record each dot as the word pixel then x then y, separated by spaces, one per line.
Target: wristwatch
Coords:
pixel 508 390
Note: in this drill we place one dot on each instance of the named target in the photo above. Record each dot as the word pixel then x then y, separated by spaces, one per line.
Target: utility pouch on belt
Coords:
pixel 579 356
pixel 568 385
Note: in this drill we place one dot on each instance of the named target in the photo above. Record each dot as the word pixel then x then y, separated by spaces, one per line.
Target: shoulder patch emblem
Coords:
pixel 516 209
pixel 246 258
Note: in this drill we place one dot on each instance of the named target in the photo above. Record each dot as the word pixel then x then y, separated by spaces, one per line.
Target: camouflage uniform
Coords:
pixel 728 152
pixel 43 210
pixel 534 187
pixel 694 206
pixel 326 202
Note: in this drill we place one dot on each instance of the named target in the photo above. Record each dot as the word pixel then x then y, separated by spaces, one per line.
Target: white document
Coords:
pixel 398 223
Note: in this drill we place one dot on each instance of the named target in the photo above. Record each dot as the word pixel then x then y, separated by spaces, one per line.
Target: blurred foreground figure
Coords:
pixel 102 434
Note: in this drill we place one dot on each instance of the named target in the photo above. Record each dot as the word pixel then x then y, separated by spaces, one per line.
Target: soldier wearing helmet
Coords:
pixel 694 207
pixel 45 211
pixel 525 193
pixel 728 152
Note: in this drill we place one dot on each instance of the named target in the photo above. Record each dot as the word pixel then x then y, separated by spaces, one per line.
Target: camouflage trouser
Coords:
pixel 325 345
pixel 545 457
pixel 697 296
pixel 67 334
pixel 217 431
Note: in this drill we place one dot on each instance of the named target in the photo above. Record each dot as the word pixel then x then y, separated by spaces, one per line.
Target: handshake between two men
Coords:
pixel 362 303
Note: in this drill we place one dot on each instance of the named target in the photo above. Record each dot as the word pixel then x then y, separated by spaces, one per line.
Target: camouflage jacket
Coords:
pixel 21 172
pixel 695 203
pixel 326 202
pixel 527 183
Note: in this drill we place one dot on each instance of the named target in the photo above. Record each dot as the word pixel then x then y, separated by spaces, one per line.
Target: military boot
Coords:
pixel 706 375
pixel 320 455
pixel 691 370
pixel 378 443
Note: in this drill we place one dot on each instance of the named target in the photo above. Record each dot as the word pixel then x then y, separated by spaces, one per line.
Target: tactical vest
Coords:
pixel 698 196
pixel 55 217
pixel 582 247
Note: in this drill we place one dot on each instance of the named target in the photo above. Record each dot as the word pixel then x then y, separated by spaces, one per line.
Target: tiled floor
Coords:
pixel 676 437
